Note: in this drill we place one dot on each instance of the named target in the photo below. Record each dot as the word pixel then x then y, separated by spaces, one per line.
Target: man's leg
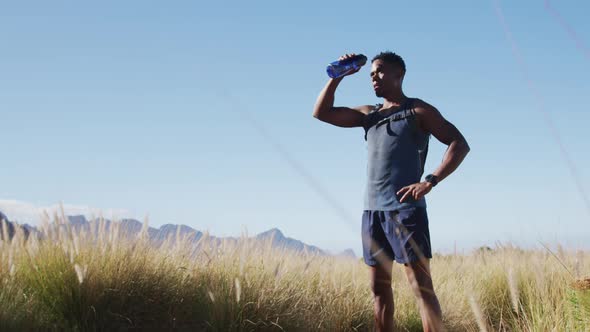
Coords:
pixel 420 280
pixel 383 295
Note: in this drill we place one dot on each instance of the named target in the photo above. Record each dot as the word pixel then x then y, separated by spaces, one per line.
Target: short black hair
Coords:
pixel 391 58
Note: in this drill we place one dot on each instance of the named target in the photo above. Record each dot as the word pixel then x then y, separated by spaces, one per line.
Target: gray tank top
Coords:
pixel 397 150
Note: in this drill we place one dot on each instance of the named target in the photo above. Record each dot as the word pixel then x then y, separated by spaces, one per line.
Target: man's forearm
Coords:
pixel 325 100
pixel 453 157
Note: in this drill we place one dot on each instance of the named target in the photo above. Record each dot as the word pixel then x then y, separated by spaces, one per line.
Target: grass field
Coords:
pixel 103 281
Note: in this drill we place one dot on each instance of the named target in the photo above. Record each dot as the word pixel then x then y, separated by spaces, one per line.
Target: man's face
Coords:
pixel 385 77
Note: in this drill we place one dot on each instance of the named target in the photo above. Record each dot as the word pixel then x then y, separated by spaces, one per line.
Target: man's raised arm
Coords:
pixel 325 111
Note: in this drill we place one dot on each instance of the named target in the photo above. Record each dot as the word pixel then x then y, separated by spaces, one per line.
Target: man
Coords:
pixel 395 223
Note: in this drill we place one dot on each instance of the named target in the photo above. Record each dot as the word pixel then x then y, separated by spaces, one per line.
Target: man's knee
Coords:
pixel 380 287
pixel 420 279
pixel 381 280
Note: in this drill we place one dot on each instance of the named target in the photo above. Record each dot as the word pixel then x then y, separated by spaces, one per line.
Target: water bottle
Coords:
pixel 339 68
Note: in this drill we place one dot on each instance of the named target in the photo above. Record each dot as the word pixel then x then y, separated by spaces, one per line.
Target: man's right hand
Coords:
pixel 345 57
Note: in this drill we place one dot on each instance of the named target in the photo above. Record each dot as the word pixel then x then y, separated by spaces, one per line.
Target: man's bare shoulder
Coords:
pixel 421 107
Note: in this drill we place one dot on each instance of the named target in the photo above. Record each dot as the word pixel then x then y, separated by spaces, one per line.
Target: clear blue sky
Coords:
pixel 196 112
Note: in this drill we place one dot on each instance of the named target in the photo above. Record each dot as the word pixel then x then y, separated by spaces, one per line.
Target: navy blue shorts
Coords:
pixel 400 235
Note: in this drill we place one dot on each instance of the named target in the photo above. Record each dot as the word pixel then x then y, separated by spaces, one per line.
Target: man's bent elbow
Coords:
pixel 465 147
pixel 460 146
pixel 317 113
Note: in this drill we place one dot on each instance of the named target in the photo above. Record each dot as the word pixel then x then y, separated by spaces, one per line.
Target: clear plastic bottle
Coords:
pixel 340 67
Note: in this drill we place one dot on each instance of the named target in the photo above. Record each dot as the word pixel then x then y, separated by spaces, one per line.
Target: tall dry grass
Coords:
pixel 100 279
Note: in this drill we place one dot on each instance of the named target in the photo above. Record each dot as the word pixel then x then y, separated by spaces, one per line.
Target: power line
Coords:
pixel 541 105
pixel 297 166
pixel 568 28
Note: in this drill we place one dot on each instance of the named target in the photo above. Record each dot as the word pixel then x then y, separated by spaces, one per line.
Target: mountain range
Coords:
pixel 132 227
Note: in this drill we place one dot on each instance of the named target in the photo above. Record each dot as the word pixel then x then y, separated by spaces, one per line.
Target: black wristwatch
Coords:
pixel 432 179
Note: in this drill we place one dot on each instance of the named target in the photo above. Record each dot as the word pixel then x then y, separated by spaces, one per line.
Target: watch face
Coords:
pixel 432 179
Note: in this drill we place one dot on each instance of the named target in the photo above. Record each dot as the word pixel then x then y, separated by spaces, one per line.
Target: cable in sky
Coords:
pixel 299 168
pixel 541 105
pixel 570 31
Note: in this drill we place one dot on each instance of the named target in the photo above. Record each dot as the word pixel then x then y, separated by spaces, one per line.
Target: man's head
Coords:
pixel 387 73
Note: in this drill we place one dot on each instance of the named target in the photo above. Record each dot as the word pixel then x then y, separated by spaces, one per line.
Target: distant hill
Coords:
pixel 348 253
pixel 279 240
pixel 11 227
